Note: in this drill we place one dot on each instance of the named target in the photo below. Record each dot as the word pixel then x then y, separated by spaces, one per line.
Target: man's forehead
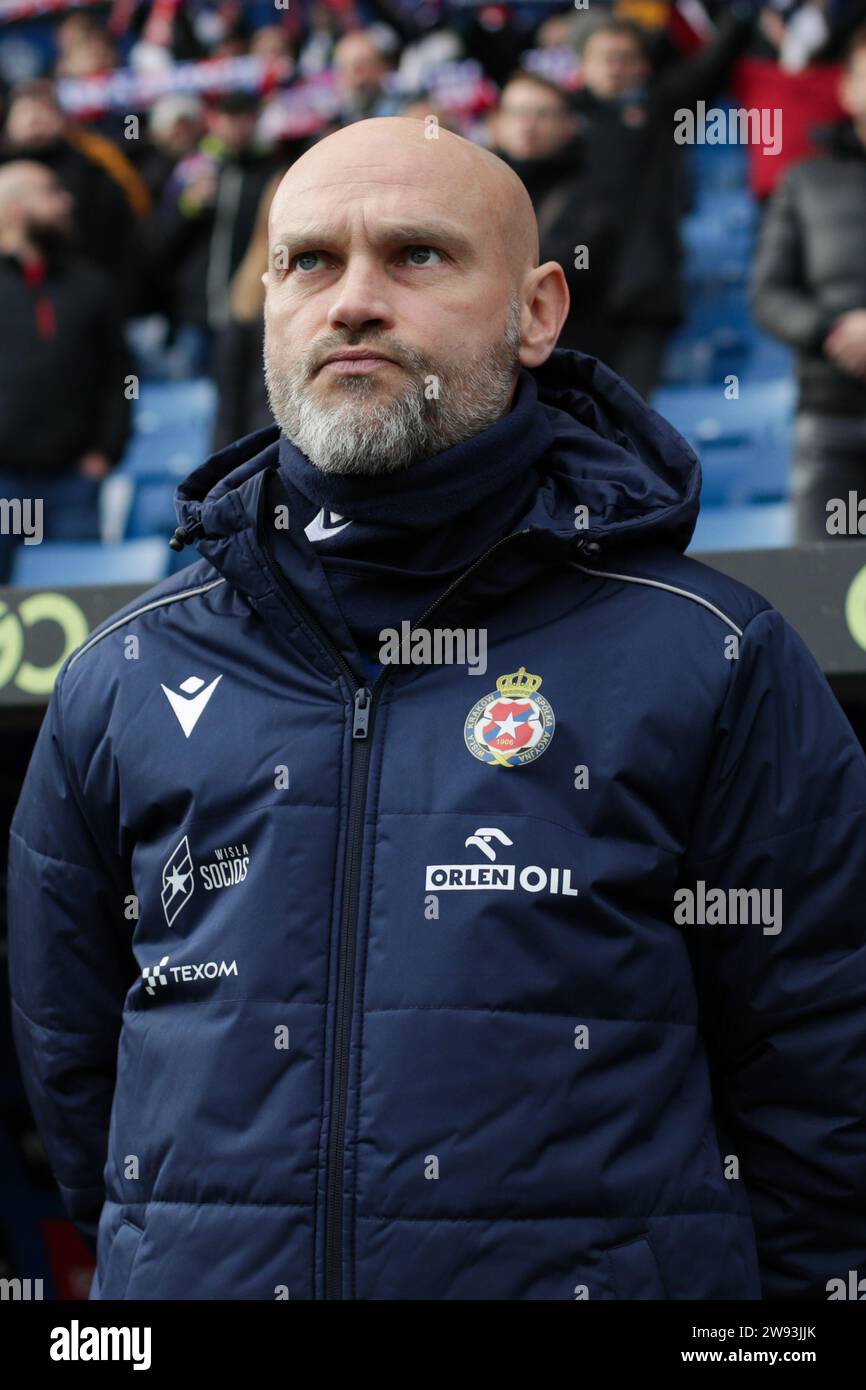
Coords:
pixel 370 176
pixel 391 196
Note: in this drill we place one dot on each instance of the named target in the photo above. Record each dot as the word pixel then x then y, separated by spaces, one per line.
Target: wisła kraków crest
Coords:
pixel 513 725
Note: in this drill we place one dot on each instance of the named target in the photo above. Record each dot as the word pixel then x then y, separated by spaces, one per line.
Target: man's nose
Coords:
pixel 361 297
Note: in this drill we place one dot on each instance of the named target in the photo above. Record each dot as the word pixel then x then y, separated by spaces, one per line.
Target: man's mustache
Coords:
pixel 409 361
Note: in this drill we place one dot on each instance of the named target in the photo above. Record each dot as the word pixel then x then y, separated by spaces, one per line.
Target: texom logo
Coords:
pixel 154 975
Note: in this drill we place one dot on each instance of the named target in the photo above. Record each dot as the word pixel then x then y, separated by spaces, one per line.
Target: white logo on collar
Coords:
pixel 190 706
pixel 322 526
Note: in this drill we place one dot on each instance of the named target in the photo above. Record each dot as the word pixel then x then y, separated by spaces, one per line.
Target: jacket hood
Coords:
pixel 611 453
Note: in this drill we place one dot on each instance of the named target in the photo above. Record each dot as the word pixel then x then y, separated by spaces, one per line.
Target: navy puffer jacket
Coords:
pixel 322 991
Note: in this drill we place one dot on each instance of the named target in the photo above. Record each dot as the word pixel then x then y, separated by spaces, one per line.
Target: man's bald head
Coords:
pixel 35 209
pixel 18 181
pixel 400 239
pixel 482 193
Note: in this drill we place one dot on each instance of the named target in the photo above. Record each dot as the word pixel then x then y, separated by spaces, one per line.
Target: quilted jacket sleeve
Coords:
pixel 70 966
pixel 783 1003
pixel 781 299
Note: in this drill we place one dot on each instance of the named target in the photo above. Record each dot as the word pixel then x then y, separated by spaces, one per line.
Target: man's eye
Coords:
pixel 304 256
pixel 424 251
pixel 305 261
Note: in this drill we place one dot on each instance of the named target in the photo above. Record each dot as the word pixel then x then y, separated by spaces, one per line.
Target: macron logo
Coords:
pixel 190 706
pixel 324 524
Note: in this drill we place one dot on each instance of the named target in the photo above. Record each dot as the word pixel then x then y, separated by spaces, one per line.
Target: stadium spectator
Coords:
pixel 322 32
pixel 36 128
pixel 788 77
pixel 70 31
pixel 493 36
pixel 418 60
pixel 64 412
pixel 207 218
pixel 534 131
pixel 562 30
pixel 234 43
pixel 808 287
pixel 361 68
pixel 638 172
pixel 175 126
pixel 242 398
pixel 93 53
pixel 271 41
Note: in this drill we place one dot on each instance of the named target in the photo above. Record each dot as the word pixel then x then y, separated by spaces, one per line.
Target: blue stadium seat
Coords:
pixel 151 511
pixel 166 402
pixel 716 167
pixel 744 528
pixel 172 427
pixel 744 445
pixel 89 562
pixel 178 451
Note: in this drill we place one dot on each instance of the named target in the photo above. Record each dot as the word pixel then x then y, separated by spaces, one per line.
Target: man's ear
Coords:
pixel 545 309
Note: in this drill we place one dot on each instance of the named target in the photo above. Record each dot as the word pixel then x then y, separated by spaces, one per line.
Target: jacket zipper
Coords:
pixel 362 727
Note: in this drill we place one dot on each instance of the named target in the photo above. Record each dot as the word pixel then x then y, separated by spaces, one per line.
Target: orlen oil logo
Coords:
pixel 533 878
pixel 30 626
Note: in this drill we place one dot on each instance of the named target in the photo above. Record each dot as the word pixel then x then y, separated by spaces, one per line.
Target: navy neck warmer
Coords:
pixel 390 545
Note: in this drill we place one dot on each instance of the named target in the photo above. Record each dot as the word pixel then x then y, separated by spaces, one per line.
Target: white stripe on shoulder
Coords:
pixel 145 608
pixel 669 588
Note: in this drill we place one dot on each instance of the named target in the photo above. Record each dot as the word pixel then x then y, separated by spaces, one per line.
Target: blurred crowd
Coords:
pixel 122 205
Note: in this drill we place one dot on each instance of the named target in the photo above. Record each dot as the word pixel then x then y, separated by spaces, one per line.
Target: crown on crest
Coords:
pixel 518 683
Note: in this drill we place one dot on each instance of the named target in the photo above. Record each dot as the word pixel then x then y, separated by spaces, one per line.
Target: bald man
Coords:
pixel 445 888
pixel 64 411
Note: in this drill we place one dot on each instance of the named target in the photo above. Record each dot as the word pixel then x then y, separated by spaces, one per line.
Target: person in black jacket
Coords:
pixel 64 407
pixel 105 227
pixel 534 131
pixel 242 397
pixel 637 172
pixel 808 287
pixel 207 218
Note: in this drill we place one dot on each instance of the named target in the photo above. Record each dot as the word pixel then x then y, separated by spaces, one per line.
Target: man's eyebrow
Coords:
pixel 430 231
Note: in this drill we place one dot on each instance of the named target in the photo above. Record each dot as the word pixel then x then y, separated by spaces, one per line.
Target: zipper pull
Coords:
pixel 184 535
pixel 361 722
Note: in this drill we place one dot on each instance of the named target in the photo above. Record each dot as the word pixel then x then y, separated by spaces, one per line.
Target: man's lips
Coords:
pixel 357 360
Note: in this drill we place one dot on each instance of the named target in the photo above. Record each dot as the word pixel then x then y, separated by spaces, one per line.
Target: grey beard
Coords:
pixel 385 437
